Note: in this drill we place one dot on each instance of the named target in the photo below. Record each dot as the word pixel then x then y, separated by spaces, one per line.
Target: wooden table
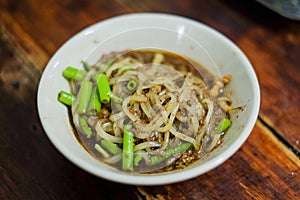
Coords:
pixel 266 167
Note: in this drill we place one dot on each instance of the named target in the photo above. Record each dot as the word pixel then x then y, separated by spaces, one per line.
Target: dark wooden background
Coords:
pixel 266 167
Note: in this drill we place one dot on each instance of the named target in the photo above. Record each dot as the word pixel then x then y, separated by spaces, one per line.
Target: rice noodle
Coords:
pixel 185 138
pixel 107 136
pixel 168 106
pixel 145 145
pixel 113 159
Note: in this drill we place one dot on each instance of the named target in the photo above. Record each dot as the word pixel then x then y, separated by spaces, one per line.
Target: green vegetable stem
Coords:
pixel 66 98
pixel 128 146
pixel 138 157
pixel 101 150
pixel 169 152
pixel 115 98
pixel 103 87
pixel 86 65
pixel 85 127
pixel 94 106
pixel 131 85
pixel 73 73
pixel 111 147
pixel 223 125
pixel 84 96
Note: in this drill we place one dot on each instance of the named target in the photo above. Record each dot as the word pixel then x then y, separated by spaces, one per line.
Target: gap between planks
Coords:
pixel 284 145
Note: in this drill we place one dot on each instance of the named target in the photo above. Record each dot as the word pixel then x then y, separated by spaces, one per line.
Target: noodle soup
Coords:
pixel 147 111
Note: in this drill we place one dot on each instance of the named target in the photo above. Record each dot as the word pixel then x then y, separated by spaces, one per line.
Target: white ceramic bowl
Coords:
pixel 163 31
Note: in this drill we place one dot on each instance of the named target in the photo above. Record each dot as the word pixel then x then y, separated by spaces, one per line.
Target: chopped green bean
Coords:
pixel 111 147
pixel 115 98
pixel 73 73
pixel 103 87
pixel 101 150
pixel 223 125
pixel 137 159
pixel 94 106
pixel 131 85
pixel 169 152
pixel 128 146
pixel 85 127
pixel 86 65
pixel 66 98
pixel 84 96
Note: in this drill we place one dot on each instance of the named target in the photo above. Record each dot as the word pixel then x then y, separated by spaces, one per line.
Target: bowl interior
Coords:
pixel 173 33
pixel 170 40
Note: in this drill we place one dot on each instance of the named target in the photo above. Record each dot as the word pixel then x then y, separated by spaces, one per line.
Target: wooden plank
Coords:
pixel 252 173
pixel 272 44
pixel 31 168
pixel 51 23
pixel 23 41
pixel 266 48
pixel 277 64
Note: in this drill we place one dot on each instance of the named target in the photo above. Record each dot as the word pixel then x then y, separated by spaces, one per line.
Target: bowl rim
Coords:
pixel 165 178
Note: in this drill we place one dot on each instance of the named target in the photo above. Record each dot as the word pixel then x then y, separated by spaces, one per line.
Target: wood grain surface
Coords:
pixel 266 167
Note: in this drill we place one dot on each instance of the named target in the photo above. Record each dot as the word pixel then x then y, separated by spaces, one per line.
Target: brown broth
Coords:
pixel 181 64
